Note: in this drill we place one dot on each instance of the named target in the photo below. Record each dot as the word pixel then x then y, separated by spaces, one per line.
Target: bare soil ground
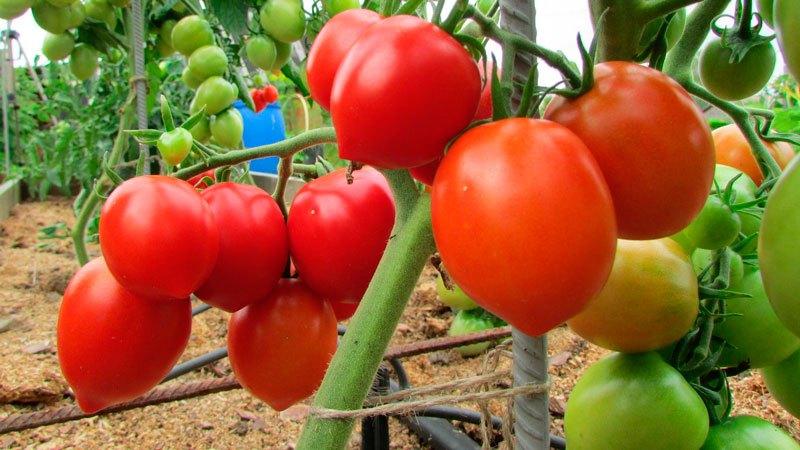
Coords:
pixel 34 273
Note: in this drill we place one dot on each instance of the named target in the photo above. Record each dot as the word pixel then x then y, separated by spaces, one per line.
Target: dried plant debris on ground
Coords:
pixel 34 272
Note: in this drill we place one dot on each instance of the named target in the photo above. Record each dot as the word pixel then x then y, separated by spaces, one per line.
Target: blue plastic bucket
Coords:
pixel 265 127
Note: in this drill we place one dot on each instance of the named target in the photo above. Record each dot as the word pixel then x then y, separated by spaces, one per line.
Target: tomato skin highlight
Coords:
pixel 733 150
pixel 649 301
pixel 658 158
pixel 338 231
pixel 778 249
pixel 113 345
pixel 158 236
pixel 563 197
pixel 634 402
pixel 424 76
pixel 253 242
pixel 748 433
pixel 282 361
pixel 330 47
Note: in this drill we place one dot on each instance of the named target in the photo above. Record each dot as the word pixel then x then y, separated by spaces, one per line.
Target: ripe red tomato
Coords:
pixel 158 236
pixel 733 150
pixel 280 346
pixel 343 309
pixel 657 157
pixel 552 230
pixel 331 46
pixel 113 345
pixel 338 231
pixel 253 246
pixel 423 80
pixel 426 173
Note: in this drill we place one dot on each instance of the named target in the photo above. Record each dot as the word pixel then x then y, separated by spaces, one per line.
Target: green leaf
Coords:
pixel 787 120
pixel 232 14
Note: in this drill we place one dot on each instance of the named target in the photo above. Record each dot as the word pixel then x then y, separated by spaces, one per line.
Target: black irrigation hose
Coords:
pixel 196 363
pixel 200 308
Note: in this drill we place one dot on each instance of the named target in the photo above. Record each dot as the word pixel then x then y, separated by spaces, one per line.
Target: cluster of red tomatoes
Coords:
pixel 264 96
pixel 229 245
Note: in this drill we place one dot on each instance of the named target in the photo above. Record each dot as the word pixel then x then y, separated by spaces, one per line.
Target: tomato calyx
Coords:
pixel 742 37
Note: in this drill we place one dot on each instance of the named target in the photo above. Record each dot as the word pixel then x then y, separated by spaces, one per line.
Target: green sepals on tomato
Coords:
pixel 215 94
pixel 634 402
pixel 158 237
pixel 114 345
pixel 715 226
pixel 657 158
pixel 781 380
pixel 261 52
pixel 227 128
pixel 455 298
pixel 191 33
pixel 280 346
pixel 283 20
pixel 731 78
pixel 57 46
pixel 475 234
pixel 175 145
pixel 748 433
pixel 779 248
pixel 473 320
pixel 208 61
pixel 83 61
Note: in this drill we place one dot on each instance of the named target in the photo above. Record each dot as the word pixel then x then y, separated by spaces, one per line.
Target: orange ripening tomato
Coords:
pixel 113 345
pixel 733 150
pixel 525 195
pixel 280 346
pixel 651 142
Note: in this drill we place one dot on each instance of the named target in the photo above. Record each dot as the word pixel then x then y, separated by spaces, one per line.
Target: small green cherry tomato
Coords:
pixel 473 321
pixel 715 227
pixel 215 94
pixel 283 20
pixel 208 61
pixel 83 61
pixel 261 52
pixel 748 433
pixel 58 46
pixel 227 128
pixel 732 80
pixel 455 299
pixel 191 33
pixel 175 145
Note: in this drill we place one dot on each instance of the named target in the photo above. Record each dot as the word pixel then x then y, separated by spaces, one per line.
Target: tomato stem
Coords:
pixel 361 350
pixel 284 172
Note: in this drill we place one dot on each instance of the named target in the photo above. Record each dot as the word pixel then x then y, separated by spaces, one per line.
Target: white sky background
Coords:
pixel 558 24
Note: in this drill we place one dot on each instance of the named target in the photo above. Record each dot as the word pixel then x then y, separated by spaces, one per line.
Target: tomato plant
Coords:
pixel 338 231
pixel 282 361
pixel 634 401
pixel 253 246
pixel 158 237
pixel 474 234
pixel 649 301
pixel 113 345
pixel 657 158
pixel 748 432
pixel 439 84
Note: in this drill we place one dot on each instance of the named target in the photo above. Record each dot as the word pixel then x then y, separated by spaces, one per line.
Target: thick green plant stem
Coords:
pixel 78 232
pixel 287 147
pixel 284 172
pixel 361 350
pixel 679 66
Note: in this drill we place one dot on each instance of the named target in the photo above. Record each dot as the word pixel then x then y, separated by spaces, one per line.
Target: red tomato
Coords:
pixel 338 231
pixel 733 150
pixel 258 99
pixel 195 181
pixel 270 94
pixel 404 90
pixel 158 237
pixel 331 46
pixel 651 142
pixel 485 109
pixel 280 346
pixel 525 195
pixel 343 309
pixel 253 246
pixel 114 346
pixel 425 174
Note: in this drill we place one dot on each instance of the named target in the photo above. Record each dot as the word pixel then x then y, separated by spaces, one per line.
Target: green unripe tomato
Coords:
pixel 11 9
pixel 715 227
pixel 781 380
pixel 51 18
pixel 283 20
pixel 61 3
pixel 163 48
pixel 473 321
pixel 282 53
pixel 165 32
pixel 191 33
pixel 83 61
pixel 748 433
pixel 114 55
pixel 191 79
pixel 57 46
pixel 455 299
pixel 101 11
pixel 736 80
pixel 743 187
pixel 260 79
pixel 175 145
pixel 201 132
pixel 701 258
pixel 76 14
pixel 215 94
pixel 334 7
pixel 208 61
pixel 227 128
pixel 261 52
pixel 683 240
